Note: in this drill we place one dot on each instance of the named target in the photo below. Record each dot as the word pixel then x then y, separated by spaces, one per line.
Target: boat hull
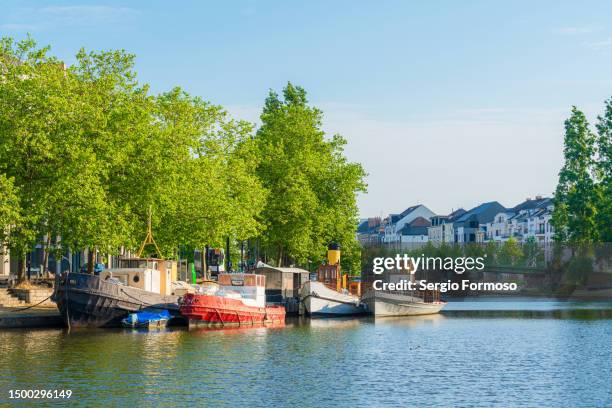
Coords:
pixel 382 304
pixel 219 311
pixel 87 301
pixel 321 301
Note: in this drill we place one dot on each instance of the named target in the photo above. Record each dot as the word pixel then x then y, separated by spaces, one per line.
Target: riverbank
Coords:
pixel 25 318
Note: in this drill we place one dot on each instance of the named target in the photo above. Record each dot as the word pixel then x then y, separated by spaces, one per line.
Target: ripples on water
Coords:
pixel 441 360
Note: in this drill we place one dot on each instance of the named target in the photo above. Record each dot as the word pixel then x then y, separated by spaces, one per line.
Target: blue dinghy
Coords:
pixel 147 318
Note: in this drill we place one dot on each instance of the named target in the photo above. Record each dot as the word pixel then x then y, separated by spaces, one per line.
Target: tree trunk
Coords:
pixel 45 269
pixel 280 256
pixel 21 269
pixel 90 261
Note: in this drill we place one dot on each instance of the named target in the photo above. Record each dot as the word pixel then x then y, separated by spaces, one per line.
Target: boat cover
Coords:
pixel 144 317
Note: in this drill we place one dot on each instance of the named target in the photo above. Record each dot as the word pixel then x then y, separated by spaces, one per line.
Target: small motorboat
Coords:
pixel 147 319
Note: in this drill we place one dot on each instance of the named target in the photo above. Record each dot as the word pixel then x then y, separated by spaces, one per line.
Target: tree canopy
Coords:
pixel 312 185
pixel 583 208
pixel 87 149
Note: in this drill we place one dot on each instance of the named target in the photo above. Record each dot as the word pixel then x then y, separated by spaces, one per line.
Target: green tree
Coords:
pixel 575 197
pixel 90 150
pixel 312 185
pixel 604 174
pixel 509 253
pixel 31 122
pixel 532 254
pixel 9 209
pixel 490 253
pixel 209 188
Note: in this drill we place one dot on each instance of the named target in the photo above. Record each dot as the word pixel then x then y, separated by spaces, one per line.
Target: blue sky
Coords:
pixel 444 103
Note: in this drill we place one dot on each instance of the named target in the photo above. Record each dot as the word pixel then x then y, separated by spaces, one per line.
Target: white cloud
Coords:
pixel 81 9
pixel 598 45
pixel 49 17
pixel 578 30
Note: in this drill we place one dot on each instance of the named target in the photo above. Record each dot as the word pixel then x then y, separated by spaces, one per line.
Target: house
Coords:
pixel 500 228
pixel 415 232
pixel 538 223
pixel 441 229
pixel 370 231
pixel 394 223
pixel 471 226
pixel 531 218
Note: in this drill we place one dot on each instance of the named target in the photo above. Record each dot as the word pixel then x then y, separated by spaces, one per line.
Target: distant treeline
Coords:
pixel 570 264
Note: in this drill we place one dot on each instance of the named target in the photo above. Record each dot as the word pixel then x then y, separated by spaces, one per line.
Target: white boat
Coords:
pixel 319 300
pixel 330 293
pixel 382 304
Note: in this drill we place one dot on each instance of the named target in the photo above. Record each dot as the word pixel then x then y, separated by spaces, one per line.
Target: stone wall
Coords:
pixel 34 296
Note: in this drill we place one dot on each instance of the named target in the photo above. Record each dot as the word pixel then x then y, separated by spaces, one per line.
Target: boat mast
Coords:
pixel 149 240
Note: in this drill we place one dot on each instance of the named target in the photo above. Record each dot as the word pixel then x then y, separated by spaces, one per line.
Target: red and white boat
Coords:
pixel 239 299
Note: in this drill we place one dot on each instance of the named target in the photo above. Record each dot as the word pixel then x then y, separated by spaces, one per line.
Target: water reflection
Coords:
pixel 528 308
pixel 411 321
pixel 560 358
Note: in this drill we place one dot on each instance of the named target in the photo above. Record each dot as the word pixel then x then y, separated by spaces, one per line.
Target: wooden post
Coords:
pixel 227 255
pixel 203 262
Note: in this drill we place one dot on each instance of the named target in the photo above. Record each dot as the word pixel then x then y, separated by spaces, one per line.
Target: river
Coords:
pixel 507 353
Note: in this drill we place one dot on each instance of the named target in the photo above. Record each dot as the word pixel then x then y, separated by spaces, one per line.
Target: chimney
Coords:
pixel 373 222
pixel 538 197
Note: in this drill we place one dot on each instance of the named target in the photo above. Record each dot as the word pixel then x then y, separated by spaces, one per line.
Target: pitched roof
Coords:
pixel 409 210
pixel 456 214
pixel 483 213
pixel 363 227
pixel 419 222
pixel 530 204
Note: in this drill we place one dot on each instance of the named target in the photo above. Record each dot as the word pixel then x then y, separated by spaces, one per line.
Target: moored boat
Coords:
pixel 320 300
pixel 329 293
pixel 147 319
pixel 103 300
pixel 382 303
pixel 239 299
pixel 86 300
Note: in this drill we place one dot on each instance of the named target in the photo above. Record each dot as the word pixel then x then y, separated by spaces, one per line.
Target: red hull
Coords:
pixel 221 311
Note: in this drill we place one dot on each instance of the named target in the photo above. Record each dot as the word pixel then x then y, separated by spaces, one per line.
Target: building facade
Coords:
pixel 394 223
pixel 415 232
pixel 441 229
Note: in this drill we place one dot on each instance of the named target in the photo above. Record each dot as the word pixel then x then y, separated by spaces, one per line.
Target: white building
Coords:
pixel 538 223
pixel 530 219
pixel 395 222
pixel 441 229
pixel 500 228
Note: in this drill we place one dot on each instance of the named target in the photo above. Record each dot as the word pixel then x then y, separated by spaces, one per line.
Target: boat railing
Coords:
pixel 427 296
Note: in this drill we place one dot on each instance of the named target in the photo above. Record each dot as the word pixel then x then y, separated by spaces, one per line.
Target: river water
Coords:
pixel 478 353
